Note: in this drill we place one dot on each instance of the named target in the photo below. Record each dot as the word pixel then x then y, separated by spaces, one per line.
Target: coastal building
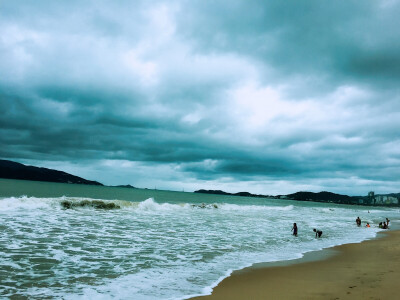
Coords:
pixel 394 200
pixel 379 200
pixel 371 197
pixel 386 200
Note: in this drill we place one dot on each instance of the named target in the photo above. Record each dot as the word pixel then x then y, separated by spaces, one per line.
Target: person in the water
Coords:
pixel 358 221
pixel 318 233
pixel 294 229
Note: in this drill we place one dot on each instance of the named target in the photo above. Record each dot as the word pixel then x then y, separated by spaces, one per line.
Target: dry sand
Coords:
pixel 368 270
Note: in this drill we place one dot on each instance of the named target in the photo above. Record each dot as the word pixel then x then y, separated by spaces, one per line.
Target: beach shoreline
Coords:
pixel 350 271
pixel 161 247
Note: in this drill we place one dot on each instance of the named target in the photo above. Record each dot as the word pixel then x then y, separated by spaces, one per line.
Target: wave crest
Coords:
pixel 33 203
pixel 24 202
pixel 148 205
pixel 151 205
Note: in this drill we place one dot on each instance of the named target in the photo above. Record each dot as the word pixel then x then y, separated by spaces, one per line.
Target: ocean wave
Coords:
pixel 24 202
pixel 34 203
pixel 97 204
pixel 148 205
pixel 151 205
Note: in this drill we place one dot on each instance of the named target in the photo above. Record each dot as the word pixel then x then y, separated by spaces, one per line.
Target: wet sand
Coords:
pixel 367 270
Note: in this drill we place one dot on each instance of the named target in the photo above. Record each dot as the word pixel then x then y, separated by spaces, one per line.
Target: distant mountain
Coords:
pixel 242 194
pixel 315 197
pixel 322 197
pixel 301 196
pixel 14 170
pixel 215 192
pixel 125 186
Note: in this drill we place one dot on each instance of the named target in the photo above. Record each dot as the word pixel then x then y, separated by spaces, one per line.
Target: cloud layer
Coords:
pixel 269 97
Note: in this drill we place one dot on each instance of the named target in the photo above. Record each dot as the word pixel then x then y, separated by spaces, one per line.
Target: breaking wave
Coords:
pixel 33 203
pixel 148 205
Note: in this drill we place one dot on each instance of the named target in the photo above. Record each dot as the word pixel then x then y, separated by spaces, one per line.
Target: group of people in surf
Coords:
pixel 383 225
pixel 318 233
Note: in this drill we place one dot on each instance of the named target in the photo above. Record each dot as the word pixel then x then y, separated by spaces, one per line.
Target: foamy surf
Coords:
pixel 147 205
pixel 33 203
pixel 156 250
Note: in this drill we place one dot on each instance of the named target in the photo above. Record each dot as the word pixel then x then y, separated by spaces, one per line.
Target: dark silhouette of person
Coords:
pixel 294 229
pixel 358 221
pixel 318 233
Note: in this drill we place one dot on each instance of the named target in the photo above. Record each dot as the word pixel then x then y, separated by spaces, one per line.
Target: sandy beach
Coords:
pixel 367 270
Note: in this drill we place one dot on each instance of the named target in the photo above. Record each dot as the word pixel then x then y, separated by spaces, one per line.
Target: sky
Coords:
pixel 269 97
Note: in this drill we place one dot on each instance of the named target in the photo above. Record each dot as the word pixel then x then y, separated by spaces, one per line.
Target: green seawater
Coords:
pixel 17 188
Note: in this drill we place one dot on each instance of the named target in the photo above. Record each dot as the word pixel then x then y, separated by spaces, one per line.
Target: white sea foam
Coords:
pixel 151 205
pixel 152 250
pixel 24 202
pixel 31 203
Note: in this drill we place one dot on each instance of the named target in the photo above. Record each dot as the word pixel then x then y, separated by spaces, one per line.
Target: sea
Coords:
pixel 157 244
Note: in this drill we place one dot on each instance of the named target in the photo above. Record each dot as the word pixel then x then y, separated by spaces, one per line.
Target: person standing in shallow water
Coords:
pixel 318 233
pixel 358 221
pixel 294 229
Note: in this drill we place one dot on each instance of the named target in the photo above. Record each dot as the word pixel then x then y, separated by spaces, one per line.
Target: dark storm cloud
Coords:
pixel 341 38
pixel 228 92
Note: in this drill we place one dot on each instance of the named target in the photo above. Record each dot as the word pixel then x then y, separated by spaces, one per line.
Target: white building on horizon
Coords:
pixel 381 199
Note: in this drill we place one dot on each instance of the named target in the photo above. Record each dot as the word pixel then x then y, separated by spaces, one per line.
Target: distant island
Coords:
pixel 326 197
pixel 242 194
pixel 128 186
pixel 13 170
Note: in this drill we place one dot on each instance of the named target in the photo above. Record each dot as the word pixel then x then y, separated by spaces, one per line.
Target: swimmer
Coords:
pixel 318 233
pixel 294 229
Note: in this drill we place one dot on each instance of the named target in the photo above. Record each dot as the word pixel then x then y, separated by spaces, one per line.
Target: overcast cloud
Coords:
pixel 268 97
